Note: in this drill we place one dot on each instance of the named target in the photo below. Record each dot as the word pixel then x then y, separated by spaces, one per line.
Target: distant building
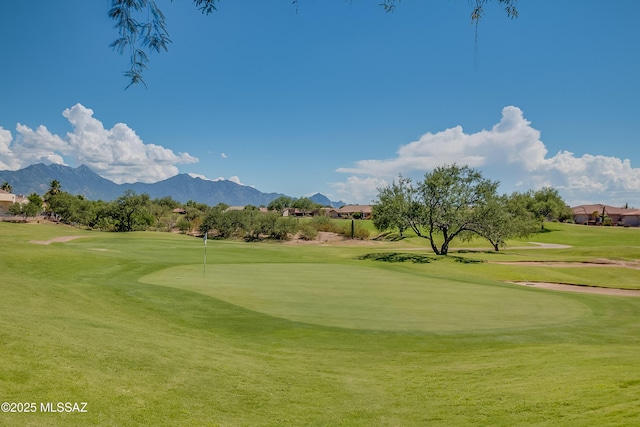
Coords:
pixel 593 215
pixel 353 211
pixel 241 208
pixel 7 199
pixel 631 219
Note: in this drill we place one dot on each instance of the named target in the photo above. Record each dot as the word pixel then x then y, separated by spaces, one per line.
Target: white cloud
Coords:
pixel 118 154
pixel 223 155
pixel 359 190
pixel 232 179
pixel 8 160
pixel 511 152
pixel 236 180
pixel 197 175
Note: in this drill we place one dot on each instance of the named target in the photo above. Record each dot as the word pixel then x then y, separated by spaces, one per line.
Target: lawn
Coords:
pixel 277 334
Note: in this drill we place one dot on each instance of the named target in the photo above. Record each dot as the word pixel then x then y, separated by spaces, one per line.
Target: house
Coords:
pixel 241 208
pixel 6 200
pixel 302 212
pixel 354 211
pixel 631 219
pixel 592 214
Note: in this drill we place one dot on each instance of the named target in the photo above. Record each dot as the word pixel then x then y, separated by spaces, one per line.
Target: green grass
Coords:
pixel 367 297
pixel 275 334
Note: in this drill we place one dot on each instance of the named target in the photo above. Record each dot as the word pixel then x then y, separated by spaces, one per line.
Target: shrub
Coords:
pixel 184 226
pixel 308 231
pixel 359 231
pixel 323 223
pixel 284 227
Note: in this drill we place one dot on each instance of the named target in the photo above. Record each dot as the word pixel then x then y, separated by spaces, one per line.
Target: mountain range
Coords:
pixel 182 187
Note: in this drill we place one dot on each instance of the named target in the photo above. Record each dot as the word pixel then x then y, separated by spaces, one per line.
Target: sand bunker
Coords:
pixel 580 288
pixel 634 265
pixel 60 239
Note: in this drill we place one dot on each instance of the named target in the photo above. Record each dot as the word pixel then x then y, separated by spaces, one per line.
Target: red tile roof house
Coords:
pixel 350 210
pixel 592 215
pixel 631 219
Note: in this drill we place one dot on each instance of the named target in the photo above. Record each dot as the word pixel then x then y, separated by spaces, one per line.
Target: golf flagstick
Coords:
pixel 204 265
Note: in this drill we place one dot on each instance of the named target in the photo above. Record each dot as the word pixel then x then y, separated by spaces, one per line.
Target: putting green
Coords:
pixel 363 297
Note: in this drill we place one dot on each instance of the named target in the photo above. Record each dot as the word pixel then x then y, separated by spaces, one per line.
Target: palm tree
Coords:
pixel 7 187
pixel 54 187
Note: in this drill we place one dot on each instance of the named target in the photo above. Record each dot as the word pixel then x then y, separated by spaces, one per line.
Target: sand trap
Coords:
pixel 583 289
pixel 60 239
pixel 634 265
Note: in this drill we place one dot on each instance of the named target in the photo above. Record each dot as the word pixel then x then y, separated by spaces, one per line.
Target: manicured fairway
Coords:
pixel 291 335
pixel 365 297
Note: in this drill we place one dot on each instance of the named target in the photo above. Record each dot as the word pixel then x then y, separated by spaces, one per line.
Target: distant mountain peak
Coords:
pixel 182 187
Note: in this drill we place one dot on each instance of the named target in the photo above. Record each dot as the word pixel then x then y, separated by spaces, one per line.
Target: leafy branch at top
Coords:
pixel 142 27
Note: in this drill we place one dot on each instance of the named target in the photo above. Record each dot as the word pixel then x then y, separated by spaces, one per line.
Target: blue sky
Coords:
pixel 335 97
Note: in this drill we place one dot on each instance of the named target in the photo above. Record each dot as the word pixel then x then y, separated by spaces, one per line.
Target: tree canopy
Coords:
pixel 457 201
pixel 142 27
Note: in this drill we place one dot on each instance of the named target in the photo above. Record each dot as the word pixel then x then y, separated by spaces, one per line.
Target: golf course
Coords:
pixel 155 328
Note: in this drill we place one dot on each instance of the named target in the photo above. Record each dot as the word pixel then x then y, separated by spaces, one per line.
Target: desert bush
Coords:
pixel 284 227
pixel 323 223
pixel 359 231
pixel 184 226
pixel 308 231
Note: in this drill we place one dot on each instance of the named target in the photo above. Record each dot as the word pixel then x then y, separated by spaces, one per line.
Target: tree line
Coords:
pixel 139 212
pixel 458 202
pixel 450 202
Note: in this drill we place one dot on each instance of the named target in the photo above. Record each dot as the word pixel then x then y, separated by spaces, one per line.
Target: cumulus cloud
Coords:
pixel 512 152
pixel 361 190
pixel 197 175
pixel 8 160
pixel 223 155
pixel 235 179
pixel 118 154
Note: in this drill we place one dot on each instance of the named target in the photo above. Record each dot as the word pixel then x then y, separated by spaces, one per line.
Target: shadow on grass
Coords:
pixel 398 257
pixel 463 260
pixel 388 237
pixel 543 231
pixel 472 251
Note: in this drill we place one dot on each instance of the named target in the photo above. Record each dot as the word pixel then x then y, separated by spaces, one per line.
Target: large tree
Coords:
pixel 131 211
pixel 72 209
pixel 280 203
pixel 391 210
pixel 451 201
pixel 547 205
pixel 505 217
pixel 142 28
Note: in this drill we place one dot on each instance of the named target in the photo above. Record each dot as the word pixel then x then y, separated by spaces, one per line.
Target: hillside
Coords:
pixel 83 181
